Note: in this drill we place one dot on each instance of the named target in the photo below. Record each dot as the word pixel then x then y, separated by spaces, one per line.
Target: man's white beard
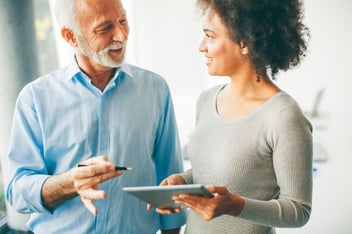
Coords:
pixel 102 57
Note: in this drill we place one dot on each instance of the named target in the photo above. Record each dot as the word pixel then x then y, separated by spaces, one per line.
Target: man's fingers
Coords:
pixel 87 177
pixel 99 178
pixel 88 196
pixel 92 194
pixel 96 160
pixel 84 181
pixel 90 205
pixel 93 170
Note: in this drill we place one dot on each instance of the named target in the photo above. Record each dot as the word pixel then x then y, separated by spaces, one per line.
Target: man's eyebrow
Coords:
pixel 107 22
pixel 102 25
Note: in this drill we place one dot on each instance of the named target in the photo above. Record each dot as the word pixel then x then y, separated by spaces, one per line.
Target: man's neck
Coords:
pixel 99 74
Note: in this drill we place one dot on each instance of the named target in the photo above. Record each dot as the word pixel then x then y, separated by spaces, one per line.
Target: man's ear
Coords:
pixel 243 48
pixel 68 35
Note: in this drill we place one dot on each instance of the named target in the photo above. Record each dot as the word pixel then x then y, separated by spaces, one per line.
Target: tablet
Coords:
pixel 161 196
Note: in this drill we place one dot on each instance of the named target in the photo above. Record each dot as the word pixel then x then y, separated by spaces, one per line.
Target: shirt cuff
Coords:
pixel 34 195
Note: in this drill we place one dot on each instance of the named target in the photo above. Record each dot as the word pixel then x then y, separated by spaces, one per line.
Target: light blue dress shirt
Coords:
pixel 62 118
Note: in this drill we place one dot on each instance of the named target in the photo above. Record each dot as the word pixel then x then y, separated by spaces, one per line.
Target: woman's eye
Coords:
pixel 208 36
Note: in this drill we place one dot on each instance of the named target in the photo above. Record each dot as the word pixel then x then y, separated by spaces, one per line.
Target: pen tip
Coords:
pixel 129 168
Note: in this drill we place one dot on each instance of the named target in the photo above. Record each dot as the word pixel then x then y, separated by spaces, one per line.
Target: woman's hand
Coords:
pixel 223 202
pixel 171 180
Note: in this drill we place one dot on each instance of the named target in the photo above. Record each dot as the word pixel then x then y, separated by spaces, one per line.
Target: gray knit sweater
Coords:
pixel 265 157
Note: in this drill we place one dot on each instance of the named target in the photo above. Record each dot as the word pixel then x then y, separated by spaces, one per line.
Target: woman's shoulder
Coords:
pixel 282 100
pixel 285 108
pixel 211 91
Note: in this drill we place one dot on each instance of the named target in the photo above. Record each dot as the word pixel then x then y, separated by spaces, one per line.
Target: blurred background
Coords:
pixel 164 37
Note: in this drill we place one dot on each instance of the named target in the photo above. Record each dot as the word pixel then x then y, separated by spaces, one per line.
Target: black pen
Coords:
pixel 117 168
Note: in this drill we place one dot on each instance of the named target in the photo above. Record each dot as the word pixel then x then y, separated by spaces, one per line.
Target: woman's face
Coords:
pixel 223 56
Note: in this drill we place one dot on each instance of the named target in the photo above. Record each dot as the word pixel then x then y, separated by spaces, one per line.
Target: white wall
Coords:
pixel 166 36
pixel 328 66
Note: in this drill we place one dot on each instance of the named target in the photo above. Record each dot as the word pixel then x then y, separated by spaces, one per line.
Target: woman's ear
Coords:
pixel 68 35
pixel 243 48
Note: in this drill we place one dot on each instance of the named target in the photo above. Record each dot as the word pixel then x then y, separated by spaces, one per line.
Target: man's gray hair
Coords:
pixel 65 13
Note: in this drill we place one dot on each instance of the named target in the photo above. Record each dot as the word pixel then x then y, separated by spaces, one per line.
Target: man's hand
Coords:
pixel 83 181
pixel 86 180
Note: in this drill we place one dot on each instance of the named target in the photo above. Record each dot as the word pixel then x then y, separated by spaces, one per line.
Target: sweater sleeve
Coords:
pixel 291 140
pixel 187 176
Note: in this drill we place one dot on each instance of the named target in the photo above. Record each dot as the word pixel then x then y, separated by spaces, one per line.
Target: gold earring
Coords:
pixel 258 78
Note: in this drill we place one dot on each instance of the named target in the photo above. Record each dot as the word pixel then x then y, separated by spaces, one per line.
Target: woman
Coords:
pixel 251 144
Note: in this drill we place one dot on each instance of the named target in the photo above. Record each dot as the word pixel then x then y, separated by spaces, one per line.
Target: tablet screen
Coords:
pixel 161 196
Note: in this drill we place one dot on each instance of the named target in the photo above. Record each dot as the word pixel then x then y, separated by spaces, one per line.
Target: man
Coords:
pixel 98 112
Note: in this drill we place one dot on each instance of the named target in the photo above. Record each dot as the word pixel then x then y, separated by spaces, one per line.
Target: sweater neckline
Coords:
pixel 245 117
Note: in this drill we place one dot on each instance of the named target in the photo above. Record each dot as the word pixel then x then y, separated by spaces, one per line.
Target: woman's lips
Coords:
pixel 208 60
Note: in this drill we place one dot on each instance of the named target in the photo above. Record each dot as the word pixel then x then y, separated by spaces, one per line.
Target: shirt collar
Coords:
pixel 73 70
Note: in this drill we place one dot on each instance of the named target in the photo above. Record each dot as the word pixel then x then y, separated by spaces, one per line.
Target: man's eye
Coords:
pixel 103 30
pixel 123 21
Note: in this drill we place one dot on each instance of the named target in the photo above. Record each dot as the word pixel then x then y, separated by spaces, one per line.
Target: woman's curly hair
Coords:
pixel 271 29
